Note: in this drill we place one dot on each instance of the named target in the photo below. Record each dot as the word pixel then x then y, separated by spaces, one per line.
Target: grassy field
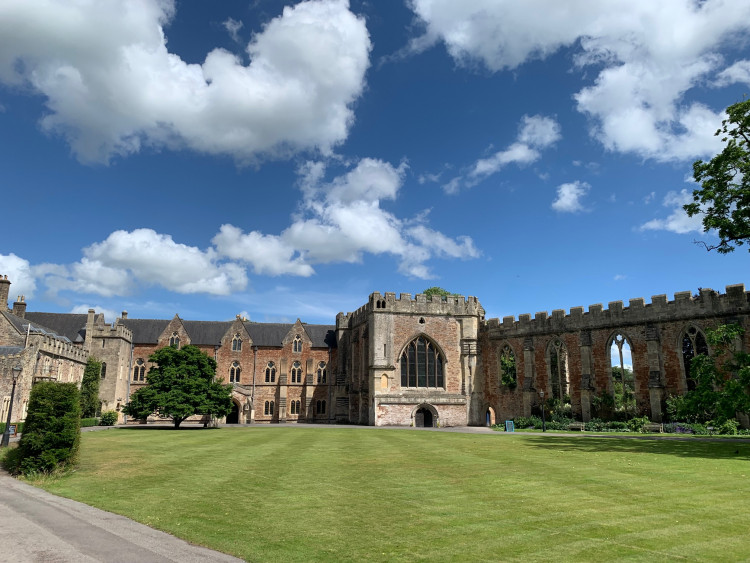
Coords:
pixel 305 494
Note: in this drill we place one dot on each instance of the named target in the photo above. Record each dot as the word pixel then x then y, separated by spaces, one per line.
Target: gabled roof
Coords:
pixel 206 332
pixel 24 324
pixel 70 325
pixel 10 350
pixel 145 331
pixel 272 334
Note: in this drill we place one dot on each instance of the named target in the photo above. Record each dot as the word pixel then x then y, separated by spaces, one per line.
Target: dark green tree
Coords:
pixel 52 431
pixel 90 388
pixel 180 385
pixel 724 195
pixel 722 380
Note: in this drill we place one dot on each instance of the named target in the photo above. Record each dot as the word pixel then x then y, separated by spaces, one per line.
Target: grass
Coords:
pixel 304 494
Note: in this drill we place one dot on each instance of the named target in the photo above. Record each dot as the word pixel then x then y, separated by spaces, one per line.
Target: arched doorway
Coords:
pixel 425 417
pixel 234 416
pixel 490 418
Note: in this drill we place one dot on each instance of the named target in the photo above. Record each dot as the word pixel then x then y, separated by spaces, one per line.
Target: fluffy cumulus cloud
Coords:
pixel 111 85
pixel 643 55
pixel 569 197
pixel 341 220
pixel 20 275
pixel 677 221
pixel 739 72
pixel 535 133
pixel 143 256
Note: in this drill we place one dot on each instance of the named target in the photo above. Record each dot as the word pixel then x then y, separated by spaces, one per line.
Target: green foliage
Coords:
pixel 90 388
pixel 108 418
pixel 180 385
pixel 85 422
pixel 508 369
pixel 603 405
pixel 722 381
pixel 19 427
pixel 439 291
pixel 637 424
pixel 52 431
pixel 724 195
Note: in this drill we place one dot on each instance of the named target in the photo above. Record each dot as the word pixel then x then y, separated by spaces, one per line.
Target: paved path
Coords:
pixel 36 526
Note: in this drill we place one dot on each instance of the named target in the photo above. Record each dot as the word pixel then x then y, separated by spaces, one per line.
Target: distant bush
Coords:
pixel 89 422
pixel 108 418
pixel 52 430
pixel 19 427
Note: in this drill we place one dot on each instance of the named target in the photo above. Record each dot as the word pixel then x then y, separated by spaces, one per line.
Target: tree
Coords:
pixel 181 385
pixel 90 388
pixel 724 195
pixel 437 291
pixel 52 431
pixel 722 380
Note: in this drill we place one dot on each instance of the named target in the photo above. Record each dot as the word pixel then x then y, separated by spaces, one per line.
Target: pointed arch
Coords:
pixel 692 343
pixel 506 366
pixel 622 382
pixel 425 415
pixel 422 364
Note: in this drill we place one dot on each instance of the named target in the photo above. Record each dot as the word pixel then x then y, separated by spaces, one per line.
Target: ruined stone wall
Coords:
pixel 653 331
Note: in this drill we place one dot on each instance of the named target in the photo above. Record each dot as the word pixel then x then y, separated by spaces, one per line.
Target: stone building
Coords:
pixel 395 361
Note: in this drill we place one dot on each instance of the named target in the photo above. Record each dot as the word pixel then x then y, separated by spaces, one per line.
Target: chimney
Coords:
pixel 124 315
pixel 4 291
pixel 19 307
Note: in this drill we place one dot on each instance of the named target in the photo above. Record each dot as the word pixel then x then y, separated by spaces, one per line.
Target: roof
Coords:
pixel 145 331
pixel 35 327
pixel 71 325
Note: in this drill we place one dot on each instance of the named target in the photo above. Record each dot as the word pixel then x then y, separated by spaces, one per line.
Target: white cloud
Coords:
pixel 20 275
pixel 109 314
pixel 739 72
pixel 341 220
pixel 569 196
pixel 143 256
pixel 646 56
pixel 534 133
pixel 233 28
pixel 111 86
pixel 619 277
pixel 267 254
pixel 677 221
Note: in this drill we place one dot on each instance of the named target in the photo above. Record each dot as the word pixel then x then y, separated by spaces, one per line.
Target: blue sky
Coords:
pixel 285 160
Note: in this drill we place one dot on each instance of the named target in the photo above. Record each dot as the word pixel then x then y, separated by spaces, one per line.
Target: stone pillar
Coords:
pixel 587 388
pixel 282 395
pixel 529 389
pixel 655 376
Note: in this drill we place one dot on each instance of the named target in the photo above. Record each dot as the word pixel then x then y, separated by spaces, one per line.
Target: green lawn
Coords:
pixel 305 494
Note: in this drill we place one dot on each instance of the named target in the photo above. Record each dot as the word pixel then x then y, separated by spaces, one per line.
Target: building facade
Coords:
pixel 414 361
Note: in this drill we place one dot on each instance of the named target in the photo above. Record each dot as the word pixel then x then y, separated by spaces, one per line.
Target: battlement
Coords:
pixel 685 305
pixel 56 346
pixel 421 304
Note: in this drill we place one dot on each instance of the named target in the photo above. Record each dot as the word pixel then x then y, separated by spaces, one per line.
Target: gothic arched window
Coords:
pixel 174 340
pixel 296 372
pixel 234 372
pixel 236 343
pixel 508 367
pixel 270 373
pixel 693 344
pixel 139 371
pixel 422 364
pixel 621 371
pixel 321 372
pixel 268 410
pixel 297 344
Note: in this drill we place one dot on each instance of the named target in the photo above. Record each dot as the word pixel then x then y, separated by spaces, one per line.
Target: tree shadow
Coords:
pixel 716 448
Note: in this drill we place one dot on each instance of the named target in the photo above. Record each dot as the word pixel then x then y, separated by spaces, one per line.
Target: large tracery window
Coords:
pixel 693 344
pixel 422 364
pixel 558 369
pixel 508 367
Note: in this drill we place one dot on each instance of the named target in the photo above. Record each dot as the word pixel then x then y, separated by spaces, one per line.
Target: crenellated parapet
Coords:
pixel 52 345
pixel 708 303
pixel 420 304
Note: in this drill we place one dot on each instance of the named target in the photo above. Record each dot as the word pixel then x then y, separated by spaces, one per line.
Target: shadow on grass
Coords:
pixel 167 427
pixel 719 449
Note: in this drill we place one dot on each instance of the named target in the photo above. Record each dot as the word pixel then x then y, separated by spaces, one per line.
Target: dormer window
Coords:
pixel 297 344
pixel 174 340
pixel 236 343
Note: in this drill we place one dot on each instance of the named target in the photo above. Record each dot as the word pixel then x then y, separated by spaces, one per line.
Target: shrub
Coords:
pixel 729 427
pixel 108 418
pixel 52 431
pixel 89 422
pixel 90 388
pixel 525 422
pixel 637 424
